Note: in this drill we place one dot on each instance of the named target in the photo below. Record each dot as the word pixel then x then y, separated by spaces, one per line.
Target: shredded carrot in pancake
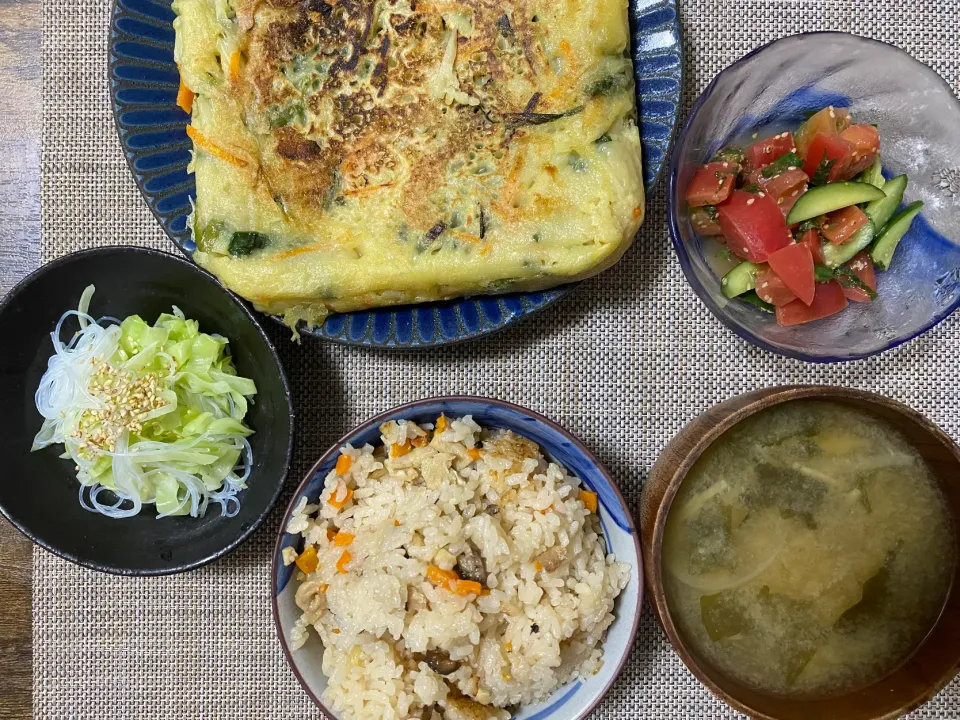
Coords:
pixel 469 237
pixel 367 189
pixel 204 143
pixel 185 97
pixel 235 66
pixel 296 251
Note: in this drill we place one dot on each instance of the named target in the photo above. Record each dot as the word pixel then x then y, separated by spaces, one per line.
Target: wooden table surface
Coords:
pixel 20 37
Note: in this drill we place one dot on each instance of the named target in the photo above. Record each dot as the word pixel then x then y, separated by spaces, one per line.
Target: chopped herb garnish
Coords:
pixel 525 118
pixel 823 274
pixel 849 279
pixel 483 224
pixel 709 210
pixel 536 237
pixel 609 85
pixel 752 188
pixel 287 115
pixel 845 276
pixel 823 171
pixel 754 299
pixel 812 223
pixel 207 240
pixel 603 139
pixel 333 191
pixel 245 242
pixel 782 164
pixel 730 154
pixel 576 162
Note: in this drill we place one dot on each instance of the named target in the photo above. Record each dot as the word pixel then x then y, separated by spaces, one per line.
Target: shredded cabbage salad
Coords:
pixel 152 414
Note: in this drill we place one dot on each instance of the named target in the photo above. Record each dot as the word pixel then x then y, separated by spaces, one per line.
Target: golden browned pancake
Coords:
pixel 360 153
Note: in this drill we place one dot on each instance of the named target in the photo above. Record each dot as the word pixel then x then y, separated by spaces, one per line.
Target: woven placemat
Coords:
pixel 623 363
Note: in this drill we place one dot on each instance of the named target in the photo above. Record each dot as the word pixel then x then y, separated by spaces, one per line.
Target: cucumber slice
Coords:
pixel 873 174
pixel 754 299
pixel 886 243
pixel 832 196
pixel 741 279
pixel 837 255
pixel 880 211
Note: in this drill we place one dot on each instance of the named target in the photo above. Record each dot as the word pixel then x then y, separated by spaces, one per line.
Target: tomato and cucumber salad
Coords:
pixel 808 213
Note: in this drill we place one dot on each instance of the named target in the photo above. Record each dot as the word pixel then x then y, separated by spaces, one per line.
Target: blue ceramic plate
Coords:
pixel 573 701
pixel 143 88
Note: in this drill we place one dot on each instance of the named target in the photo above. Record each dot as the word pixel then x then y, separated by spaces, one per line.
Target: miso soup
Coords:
pixel 808 552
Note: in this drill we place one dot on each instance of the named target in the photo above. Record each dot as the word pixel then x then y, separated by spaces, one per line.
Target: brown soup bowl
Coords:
pixel 933 663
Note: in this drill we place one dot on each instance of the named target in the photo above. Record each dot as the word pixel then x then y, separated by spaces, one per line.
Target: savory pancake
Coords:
pixel 360 153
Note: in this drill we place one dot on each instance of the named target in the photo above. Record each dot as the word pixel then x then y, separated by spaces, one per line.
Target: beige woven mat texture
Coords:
pixel 623 363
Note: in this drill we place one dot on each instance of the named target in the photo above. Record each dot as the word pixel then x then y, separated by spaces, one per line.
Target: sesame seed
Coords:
pixel 764 285
pixel 792 167
pixel 832 113
pixel 726 164
pixel 751 201
pixel 761 194
pixel 793 149
pixel 755 135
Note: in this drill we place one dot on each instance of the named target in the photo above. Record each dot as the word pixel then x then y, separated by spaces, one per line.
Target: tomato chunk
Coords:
pixel 786 188
pixel 829 121
pixel 843 224
pixel 866 145
pixel 704 221
pixel 764 152
pixel 753 225
pixel 862 267
pixel 829 148
pixel 773 290
pixel 711 184
pixel 794 265
pixel 828 300
pixel 811 238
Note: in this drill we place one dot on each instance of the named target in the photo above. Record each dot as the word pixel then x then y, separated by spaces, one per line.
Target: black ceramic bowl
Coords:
pixel 38 490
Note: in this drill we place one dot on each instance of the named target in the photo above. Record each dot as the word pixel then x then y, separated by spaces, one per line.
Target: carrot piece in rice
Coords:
pixel 339 504
pixel 446 579
pixel 307 560
pixel 589 500
pixel 467 587
pixel 343 539
pixel 343 562
pixel 343 464
pixel 400 450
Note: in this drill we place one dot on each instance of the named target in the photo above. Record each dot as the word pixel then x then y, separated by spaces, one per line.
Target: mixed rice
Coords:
pixel 451 573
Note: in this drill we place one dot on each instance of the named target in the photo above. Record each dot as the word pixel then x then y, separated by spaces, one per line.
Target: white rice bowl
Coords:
pixel 401 639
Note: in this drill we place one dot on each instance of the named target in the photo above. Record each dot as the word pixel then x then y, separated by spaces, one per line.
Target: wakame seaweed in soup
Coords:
pixel 808 552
